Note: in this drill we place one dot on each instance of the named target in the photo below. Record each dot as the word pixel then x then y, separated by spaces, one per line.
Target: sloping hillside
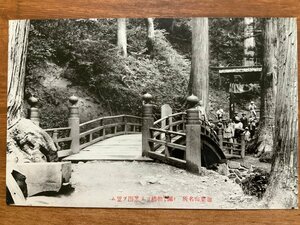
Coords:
pixel 80 57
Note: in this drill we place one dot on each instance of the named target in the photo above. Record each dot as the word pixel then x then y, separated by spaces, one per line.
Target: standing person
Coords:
pixel 231 124
pixel 220 114
pixel 228 133
pixel 252 108
pixel 235 117
pixel 201 109
pixel 244 120
pixel 238 129
pixel 247 134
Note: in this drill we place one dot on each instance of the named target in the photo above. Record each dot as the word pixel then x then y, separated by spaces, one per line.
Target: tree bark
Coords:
pixel 150 34
pixel 150 28
pixel 17 49
pixel 122 39
pixel 198 83
pixel 283 189
pixel 268 86
pixel 249 42
pixel 26 142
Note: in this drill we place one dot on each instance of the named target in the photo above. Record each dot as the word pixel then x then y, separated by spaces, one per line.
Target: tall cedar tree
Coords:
pixel 283 188
pixel 268 86
pixel 249 42
pixel 198 83
pixel 24 138
pixel 18 39
pixel 122 39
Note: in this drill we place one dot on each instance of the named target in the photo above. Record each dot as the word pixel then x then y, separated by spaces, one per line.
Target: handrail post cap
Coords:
pixel 147 97
pixel 192 100
pixel 73 100
pixel 33 101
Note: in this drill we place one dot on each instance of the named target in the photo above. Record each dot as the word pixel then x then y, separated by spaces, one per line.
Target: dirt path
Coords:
pixel 147 185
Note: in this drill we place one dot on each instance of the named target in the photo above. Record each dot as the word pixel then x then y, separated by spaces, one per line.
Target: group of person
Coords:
pixel 238 125
pixel 234 127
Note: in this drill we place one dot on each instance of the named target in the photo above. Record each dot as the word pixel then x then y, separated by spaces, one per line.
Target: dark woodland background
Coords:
pixel 81 57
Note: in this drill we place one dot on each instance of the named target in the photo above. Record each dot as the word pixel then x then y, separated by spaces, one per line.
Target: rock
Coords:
pixel 238 173
pixel 152 180
pixel 246 165
pixel 244 180
pixel 251 168
pixel 232 175
pixel 238 180
pixel 244 173
pixel 243 169
pixel 234 165
pixel 266 157
pixel 27 142
pixel 223 169
pixel 142 182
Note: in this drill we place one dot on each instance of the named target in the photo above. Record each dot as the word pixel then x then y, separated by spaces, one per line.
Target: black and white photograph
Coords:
pixel 166 113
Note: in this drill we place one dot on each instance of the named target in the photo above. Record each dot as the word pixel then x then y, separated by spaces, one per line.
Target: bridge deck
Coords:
pixel 123 147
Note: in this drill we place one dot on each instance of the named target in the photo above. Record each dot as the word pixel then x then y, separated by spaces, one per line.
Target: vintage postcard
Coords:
pixel 187 113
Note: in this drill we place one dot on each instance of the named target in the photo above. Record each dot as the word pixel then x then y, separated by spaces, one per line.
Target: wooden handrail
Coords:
pixel 88 136
pixel 57 129
pixel 109 117
pixel 167 117
pixel 167 131
pixel 100 118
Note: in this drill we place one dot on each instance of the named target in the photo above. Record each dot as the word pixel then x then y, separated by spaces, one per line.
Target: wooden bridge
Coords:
pixel 179 139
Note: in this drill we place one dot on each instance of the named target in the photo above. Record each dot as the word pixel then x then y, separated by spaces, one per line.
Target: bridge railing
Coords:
pixel 106 127
pixel 174 122
pixel 76 136
pixel 236 148
pixel 159 137
pixel 62 140
pixel 163 140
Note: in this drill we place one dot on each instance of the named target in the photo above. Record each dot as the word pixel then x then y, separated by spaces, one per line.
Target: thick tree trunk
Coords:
pixel 122 39
pixel 18 39
pixel 249 42
pixel 283 189
pixel 268 87
pixel 150 28
pixel 198 84
pixel 150 34
pixel 26 142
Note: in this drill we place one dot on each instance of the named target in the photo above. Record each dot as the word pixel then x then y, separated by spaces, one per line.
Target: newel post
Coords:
pixel 193 137
pixel 34 111
pixel 147 122
pixel 74 123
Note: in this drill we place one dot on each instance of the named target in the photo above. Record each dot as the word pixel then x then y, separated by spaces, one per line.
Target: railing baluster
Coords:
pixel 55 137
pixel 168 140
pixel 125 124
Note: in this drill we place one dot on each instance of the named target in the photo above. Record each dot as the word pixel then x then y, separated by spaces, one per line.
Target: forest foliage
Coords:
pixel 87 52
